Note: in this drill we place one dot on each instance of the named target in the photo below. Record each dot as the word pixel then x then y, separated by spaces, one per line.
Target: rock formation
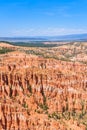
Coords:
pixel 41 94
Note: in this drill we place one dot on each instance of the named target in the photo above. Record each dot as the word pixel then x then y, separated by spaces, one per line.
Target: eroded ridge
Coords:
pixel 39 93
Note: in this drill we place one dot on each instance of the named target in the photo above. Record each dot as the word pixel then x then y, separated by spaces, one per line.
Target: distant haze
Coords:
pixel 74 37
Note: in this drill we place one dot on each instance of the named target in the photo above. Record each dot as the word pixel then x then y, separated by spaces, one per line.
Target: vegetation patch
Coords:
pixel 5 50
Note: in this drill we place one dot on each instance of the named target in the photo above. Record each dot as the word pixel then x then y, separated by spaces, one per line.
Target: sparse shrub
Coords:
pixel 29 88
pixel 55 116
pixel 25 105
pixel 43 106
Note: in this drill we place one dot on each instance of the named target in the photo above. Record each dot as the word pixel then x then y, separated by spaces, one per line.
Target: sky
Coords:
pixel 42 17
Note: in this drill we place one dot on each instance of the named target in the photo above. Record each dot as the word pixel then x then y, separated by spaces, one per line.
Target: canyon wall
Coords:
pixel 36 93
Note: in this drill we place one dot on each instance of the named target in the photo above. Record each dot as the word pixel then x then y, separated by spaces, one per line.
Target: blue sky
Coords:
pixel 42 17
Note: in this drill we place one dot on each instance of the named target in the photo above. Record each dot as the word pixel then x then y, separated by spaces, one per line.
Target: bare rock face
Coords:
pixel 41 94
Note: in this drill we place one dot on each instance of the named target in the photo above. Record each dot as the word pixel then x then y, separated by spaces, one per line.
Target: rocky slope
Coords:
pixel 38 93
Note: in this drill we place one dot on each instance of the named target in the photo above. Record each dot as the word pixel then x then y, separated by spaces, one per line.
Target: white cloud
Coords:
pixel 47 31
